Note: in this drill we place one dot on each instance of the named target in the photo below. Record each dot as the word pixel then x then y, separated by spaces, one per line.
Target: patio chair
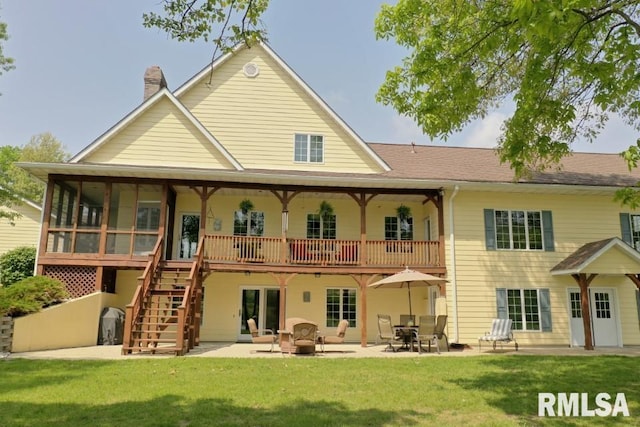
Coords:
pixel 268 338
pixel 426 333
pixel 386 332
pixel 500 333
pixel 338 338
pixel 304 335
pixel 441 323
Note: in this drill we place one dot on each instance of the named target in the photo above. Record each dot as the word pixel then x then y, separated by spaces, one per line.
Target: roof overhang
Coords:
pixel 284 177
pixel 597 257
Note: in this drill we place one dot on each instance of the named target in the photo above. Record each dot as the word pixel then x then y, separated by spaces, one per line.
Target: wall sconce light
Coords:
pixel 306 296
pixel 247 273
pixel 317 275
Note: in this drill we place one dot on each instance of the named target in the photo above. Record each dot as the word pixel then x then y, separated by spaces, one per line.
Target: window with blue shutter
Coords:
pixel 529 309
pixel 518 230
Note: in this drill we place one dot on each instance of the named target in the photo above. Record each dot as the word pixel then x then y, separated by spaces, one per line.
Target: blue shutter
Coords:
pixel 501 303
pixel 545 310
pixel 547 231
pixel 625 228
pixel 490 229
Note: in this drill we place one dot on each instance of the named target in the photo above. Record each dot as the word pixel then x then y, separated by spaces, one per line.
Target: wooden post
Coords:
pixel 584 281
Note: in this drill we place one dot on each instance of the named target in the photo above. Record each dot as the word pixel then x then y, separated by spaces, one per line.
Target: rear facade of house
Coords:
pixel 243 195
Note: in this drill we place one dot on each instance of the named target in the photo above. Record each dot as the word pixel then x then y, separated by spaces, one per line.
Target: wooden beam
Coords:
pixel 282 280
pixel 363 281
pixel 583 282
pixel 635 278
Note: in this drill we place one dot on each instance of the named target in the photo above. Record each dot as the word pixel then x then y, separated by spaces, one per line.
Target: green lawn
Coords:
pixel 306 391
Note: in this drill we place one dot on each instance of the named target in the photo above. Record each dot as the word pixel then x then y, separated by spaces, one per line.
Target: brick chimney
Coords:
pixel 153 81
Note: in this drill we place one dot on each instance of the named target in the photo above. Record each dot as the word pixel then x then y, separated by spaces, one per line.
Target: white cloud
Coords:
pixel 405 130
pixel 485 133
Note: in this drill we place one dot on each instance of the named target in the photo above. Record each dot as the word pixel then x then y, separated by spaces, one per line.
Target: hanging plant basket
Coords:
pixel 325 210
pixel 403 212
pixel 246 205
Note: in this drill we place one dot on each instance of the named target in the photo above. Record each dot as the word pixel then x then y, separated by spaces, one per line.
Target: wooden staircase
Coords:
pixel 164 314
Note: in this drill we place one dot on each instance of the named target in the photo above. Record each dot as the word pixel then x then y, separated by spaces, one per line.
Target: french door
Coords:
pixel 189 234
pixel 604 322
pixel 261 304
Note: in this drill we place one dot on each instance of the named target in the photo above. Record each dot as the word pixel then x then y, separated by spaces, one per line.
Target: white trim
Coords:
pixel 164 92
pixel 305 87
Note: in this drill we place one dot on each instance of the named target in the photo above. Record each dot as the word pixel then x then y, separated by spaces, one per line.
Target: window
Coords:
pixel 518 229
pixel 635 231
pixel 321 228
pixel 341 304
pixel 248 224
pixel 308 148
pixel 523 309
pixel 395 229
pixel 529 309
pixel 524 230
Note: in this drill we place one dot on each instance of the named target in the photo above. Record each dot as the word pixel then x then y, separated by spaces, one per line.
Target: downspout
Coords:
pixel 452 276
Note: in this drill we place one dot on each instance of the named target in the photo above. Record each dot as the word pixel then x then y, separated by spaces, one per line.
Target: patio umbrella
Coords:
pixel 406 279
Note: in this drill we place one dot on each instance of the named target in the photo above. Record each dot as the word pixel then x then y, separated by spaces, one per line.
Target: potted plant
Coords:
pixel 246 205
pixel 325 210
pixel 403 212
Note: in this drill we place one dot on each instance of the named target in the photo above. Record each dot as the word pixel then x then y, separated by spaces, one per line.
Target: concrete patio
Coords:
pixel 235 350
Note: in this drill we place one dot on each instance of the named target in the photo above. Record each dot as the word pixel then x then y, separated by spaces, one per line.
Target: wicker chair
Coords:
pixel 338 338
pixel 268 338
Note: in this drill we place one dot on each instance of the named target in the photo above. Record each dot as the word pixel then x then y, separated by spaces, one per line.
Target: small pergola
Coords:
pixel 611 257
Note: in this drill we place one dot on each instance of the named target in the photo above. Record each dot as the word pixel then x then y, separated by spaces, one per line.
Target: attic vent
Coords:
pixel 250 69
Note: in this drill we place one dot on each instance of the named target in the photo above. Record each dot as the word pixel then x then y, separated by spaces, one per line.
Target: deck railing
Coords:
pixel 323 252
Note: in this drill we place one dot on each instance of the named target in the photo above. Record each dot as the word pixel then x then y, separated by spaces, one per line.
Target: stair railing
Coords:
pixel 134 308
pixel 187 309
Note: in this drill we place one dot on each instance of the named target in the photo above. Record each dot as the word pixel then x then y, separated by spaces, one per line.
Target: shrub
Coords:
pixel 30 295
pixel 17 264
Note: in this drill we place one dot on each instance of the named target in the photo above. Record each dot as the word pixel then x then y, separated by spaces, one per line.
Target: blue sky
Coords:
pixel 80 66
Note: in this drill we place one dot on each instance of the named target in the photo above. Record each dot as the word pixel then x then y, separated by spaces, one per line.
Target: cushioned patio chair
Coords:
pixel 268 336
pixel 500 333
pixel 386 334
pixel 304 334
pixel 426 333
pixel 338 338
pixel 441 324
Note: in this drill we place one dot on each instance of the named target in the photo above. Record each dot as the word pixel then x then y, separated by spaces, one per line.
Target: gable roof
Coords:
pixel 587 254
pixel 482 165
pixel 206 72
pixel 163 93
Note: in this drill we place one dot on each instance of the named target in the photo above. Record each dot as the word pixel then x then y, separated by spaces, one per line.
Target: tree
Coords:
pixel 15 183
pixel 567 65
pixel 225 22
pixel 42 148
pixel 8 155
pixel 6 63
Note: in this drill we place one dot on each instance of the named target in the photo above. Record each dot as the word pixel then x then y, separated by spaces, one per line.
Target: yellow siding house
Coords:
pixel 242 195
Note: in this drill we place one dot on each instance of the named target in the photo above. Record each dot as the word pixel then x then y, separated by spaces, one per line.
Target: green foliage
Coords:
pixel 15 183
pixel 17 264
pixel 42 148
pixel 30 295
pixel 567 66
pixel 6 63
pixel 8 155
pixel 325 210
pixel 225 22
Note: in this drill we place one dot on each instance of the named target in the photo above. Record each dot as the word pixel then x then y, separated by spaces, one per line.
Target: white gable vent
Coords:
pixel 251 69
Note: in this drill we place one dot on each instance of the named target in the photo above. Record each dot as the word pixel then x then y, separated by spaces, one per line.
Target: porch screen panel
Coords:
pixel 61 221
pixel 90 217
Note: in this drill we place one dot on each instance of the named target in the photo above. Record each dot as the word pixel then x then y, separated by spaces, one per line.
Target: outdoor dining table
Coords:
pixel 407 333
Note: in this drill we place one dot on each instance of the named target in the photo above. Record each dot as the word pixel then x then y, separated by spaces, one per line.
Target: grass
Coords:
pixel 496 391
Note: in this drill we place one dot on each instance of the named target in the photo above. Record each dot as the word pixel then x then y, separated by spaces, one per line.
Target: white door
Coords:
pixel 604 323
